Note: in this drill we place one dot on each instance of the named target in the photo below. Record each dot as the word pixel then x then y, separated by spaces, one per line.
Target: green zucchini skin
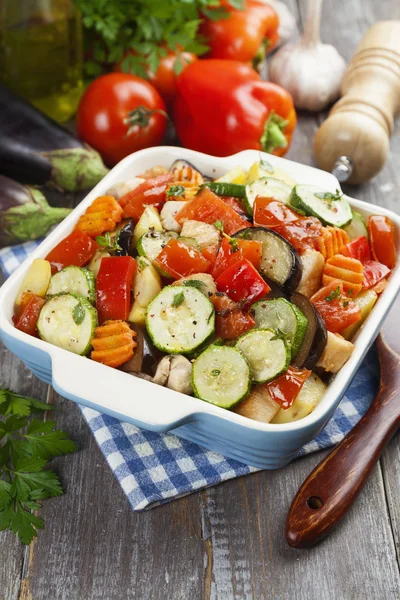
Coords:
pixel 268 358
pixel 74 280
pixel 330 212
pixel 221 188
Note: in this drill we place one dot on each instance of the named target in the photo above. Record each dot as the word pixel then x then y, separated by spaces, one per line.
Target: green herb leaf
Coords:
pixel 233 242
pixel 174 191
pixel 329 196
pixel 78 313
pixel 219 225
pixel 333 294
pixel 266 165
pixel 345 304
pixel 196 283
pixel 215 372
pixel 43 441
pixel 109 242
pixel 178 299
pixel 280 335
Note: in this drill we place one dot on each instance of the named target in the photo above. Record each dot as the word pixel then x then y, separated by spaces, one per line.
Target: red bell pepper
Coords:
pixel 230 320
pixel 235 204
pixel 76 249
pixel 231 252
pixel 149 193
pixel 357 248
pixel 178 260
pixel 373 272
pixel 30 308
pixel 302 234
pixel 269 212
pixel 285 388
pixel 113 287
pixel 381 238
pixel 209 208
pixel 336 308
pixel 223 107
pixel 244 34
pixel 243 283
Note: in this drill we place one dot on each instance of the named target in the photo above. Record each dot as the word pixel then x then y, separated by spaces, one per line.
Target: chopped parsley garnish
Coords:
pixel 328 196
pixel 196 283
pixel 219 225
pixel 215 372
pixel 78 313
pixel 266 165
pixel 280 335
pixel 174 191
pixel 178 299
pixel 333 294
pixel 345 304
pixel 108 242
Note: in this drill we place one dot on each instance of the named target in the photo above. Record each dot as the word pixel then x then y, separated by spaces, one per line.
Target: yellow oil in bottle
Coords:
pixel 41 54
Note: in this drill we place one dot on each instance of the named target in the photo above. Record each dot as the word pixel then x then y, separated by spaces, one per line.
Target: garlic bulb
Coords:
pixel 287 22
pixel 311 71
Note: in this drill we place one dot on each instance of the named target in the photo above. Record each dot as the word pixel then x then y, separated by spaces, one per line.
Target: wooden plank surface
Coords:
pixel 227 542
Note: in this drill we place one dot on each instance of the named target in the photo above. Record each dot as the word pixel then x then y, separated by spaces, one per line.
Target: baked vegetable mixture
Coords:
pixel 244 291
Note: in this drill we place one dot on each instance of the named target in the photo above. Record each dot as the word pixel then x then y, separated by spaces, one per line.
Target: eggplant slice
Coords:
pixel 280 261
pixel 146 356
pixel 315 339
pixel 181 163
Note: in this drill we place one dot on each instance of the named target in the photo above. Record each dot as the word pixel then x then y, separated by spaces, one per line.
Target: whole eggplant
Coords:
pixel 35 149
pixel 24 213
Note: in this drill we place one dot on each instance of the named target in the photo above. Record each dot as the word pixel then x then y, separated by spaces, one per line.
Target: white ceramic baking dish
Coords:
pixel 159 409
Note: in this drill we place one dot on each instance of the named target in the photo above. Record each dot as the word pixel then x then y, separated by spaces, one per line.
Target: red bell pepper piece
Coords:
pixel 209 208
pixel 373 272
pixel 243 34
pixel 335 307
pixel 178 260
pixel 76 249
pixel 230 320
pixel 302 234
pixel 243 283
pixel 269 212
pixel 149 193
pixel 113 287
pixel 285 388
pixel 381 239
pixel 245 112
pixel 231 252
pixel 30 308
pixel 357 248
pixel 235 204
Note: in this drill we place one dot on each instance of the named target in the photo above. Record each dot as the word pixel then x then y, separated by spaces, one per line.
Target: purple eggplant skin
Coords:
pixel 35 149
pixel 316 337
pixel 25 214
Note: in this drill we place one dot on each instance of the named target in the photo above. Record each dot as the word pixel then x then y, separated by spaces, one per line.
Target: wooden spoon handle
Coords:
pixel 330 490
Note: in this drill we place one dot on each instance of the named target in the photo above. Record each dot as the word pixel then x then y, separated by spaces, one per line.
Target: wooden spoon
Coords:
pixel 330 490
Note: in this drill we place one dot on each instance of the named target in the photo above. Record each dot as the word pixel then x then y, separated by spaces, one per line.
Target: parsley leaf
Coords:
pixel 174 191
pixel 196 283
pixel 233 242
pixel 15 404
pixel 329 196
pixel 266 165
pixel 219 225
pixel 78 313
pixel 178 299
pixel 109 242
pixel 333 294
pixel 280 335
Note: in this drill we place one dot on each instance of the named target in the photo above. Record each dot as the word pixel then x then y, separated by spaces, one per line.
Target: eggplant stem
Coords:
pixel 140 117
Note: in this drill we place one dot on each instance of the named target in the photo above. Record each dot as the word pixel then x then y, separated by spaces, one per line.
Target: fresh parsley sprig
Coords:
pixel 25 449
pixel 232 241
pixel 109 242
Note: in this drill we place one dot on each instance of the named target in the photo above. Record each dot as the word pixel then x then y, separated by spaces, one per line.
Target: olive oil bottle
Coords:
pixel 41 53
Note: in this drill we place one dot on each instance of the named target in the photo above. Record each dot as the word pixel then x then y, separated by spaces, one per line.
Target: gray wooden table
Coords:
pixel 225 542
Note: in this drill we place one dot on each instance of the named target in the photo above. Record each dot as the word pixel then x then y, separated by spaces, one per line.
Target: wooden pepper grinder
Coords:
pixel 353 142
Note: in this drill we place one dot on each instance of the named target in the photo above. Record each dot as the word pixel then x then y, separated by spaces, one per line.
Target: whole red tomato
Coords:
pixel 164 78
pixel 119 114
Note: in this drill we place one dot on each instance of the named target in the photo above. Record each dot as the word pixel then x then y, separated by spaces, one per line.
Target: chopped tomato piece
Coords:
pixel 233 251
pixel 208 208
pixel 336 308
pixel 113 287
pixel 243 283
pixel 178 260
pixel 302 234
pixel 357 248
pixel 30 308
pixel 230 320
pixel 269 212
pixel 381 238
pixel 373 272
pixel 149 193
pixel 76 249
pixel 285 388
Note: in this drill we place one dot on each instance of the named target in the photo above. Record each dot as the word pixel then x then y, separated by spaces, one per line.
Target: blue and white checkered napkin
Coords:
pixel 155 468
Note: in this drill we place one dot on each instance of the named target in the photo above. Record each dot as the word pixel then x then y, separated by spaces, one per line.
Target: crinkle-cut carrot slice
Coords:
pixel 348 270
pixel 113 343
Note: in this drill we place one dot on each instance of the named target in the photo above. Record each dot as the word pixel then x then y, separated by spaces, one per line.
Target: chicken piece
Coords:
pixel 313 264
pixel 337 352
pixel 209 287
pixel 206 235
pixel 121 188
pixel 259 406
pixel 176 373
pixel 168 213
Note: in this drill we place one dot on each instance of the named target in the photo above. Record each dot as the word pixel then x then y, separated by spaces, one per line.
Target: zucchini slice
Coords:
pixel 179 319
pixel 68 321
pixel 151 244
pixel 280 261
pixel 267 187
pixel 356 227
pixel 73 280
pixel 222 188
pixel 267 354
pixel 280 314
pixel 221 375
pixel 331 209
